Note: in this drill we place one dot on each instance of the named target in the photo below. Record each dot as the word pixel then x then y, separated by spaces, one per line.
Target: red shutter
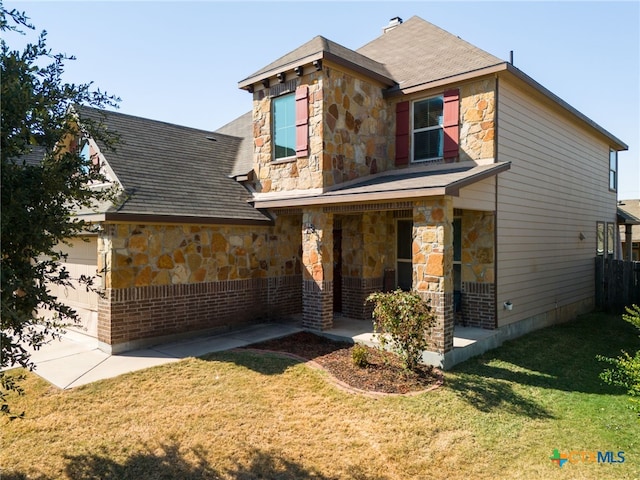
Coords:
pixel 402 133
pixel 451 124
pixel 302 121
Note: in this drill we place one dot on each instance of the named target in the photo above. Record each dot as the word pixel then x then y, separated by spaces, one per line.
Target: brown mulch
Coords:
pixel 384 372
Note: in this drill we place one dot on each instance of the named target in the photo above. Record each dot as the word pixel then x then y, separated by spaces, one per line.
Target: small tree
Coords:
pixel 626 369
pixel 402 321
pixel 39 198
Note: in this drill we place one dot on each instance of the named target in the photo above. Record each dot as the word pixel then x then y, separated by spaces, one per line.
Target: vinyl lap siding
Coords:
pixel 556 189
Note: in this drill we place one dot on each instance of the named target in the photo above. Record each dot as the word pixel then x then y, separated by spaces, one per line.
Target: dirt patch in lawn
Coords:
pixel 383 374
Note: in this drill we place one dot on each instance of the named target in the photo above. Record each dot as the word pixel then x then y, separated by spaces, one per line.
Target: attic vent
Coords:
pixel 393 23
pixel 280 88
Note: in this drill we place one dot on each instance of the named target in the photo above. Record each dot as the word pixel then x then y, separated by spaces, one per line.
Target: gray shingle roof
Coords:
pixel 319 48
pixel 241 127
pixel 417 52
pixel 173 170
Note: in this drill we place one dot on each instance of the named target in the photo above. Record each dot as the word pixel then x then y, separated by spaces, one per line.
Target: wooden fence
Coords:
pixel 617 284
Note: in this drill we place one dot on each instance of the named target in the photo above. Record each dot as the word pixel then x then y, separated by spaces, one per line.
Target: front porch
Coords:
pixel 468 342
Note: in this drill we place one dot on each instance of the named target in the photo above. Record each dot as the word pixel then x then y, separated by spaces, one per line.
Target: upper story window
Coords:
pixel 613 170
pixel 428 132
pixel 283 122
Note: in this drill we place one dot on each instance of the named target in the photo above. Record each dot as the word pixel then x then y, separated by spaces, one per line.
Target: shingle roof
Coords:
pixel 417 52
pixel 320 48
pixel 241 127
pixel 171 170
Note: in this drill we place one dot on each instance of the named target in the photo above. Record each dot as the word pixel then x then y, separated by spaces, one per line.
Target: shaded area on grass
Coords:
pixel 562 357
pixel 379 372
pixel 168 462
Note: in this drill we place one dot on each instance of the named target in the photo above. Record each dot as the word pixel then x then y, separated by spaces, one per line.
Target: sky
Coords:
pixel 181 62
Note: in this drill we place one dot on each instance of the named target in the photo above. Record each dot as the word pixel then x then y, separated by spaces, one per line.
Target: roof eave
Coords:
pixel 615 141
pixel 308 60
pixel 117 217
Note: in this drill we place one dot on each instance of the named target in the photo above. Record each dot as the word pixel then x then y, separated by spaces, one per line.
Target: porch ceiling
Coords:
pixel 416 182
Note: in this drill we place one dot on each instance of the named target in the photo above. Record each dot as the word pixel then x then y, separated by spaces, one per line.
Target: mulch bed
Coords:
pixel 384 372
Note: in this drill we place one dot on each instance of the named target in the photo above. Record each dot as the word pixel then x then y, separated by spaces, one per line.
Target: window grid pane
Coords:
pixel 284 128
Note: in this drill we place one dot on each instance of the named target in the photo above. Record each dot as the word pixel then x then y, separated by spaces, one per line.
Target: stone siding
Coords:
pixel 478 246
pixel 355 126
pixel 477 120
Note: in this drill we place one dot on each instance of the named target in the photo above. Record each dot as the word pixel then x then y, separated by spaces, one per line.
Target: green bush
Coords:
pixel 360 355
pixel 626 369
pixel 402 321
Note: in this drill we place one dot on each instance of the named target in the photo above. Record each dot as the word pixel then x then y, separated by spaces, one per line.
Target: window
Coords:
pixel 600 238
pixel 428 133
pixel 613 170
pixel 404 255
pixel 284 126
pixel 611 238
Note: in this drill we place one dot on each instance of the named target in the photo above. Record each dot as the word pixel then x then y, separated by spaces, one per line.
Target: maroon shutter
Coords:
pixel 402 133
pixel 302 121
pixel 451 124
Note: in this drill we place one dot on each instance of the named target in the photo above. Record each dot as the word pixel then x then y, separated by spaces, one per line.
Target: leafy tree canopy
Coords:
pixel 45 179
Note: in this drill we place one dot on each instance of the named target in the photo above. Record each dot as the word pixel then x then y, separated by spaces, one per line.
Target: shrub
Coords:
pixel 626 369
pixel 402 321
pixel 360 355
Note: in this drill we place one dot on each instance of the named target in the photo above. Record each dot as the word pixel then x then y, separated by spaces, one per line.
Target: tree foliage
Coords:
pixel 626 369
pixel 402 321
pixel 39 198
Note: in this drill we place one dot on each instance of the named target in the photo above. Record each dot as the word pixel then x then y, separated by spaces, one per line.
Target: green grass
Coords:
pixel 247 416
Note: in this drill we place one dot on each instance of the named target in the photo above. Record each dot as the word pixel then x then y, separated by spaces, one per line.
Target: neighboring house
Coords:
pixel 417 161
pixel 629 225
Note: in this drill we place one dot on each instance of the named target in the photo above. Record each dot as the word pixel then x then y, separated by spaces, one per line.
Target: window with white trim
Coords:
pixel 427 129
pixel 613 170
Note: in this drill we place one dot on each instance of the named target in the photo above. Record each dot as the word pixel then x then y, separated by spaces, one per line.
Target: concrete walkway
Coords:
pixel 76 360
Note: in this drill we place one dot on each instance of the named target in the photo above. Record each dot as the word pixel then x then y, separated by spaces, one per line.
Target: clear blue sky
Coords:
pixel 181 62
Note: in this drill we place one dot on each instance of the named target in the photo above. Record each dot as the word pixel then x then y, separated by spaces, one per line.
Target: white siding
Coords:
pixel 557 188
pixel 82 260
pixel 478 196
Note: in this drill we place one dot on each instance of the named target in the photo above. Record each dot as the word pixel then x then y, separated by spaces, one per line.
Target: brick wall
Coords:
pixel 138 313
pixel 478 305
pixel 354 293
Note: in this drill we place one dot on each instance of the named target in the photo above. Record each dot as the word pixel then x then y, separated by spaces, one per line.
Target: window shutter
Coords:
pixel 402 133
pixel 302 121
pixel 451 124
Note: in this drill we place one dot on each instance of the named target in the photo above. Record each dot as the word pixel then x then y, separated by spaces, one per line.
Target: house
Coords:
pixel 628 221
pixel 418 161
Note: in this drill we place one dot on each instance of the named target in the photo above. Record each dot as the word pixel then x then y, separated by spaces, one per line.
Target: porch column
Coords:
pixel 433 265
pixel 317 275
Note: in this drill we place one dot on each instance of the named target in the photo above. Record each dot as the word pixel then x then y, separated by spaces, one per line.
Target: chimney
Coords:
pixel 393 23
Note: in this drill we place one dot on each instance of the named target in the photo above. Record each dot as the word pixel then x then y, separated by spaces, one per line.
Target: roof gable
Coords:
pixel 417 52
pixel 320 48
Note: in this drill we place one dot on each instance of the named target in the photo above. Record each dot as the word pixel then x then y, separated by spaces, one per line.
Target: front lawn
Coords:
pixel 243 415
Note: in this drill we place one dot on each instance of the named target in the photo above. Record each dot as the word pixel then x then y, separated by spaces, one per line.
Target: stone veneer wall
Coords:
pixel 477 120
pixel 368 241
pixel 355 126
pixel 478 269
pixel 317 272
pixel 432 265
pixel 169 279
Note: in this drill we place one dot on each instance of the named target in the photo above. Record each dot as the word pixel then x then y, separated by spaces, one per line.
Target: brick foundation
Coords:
pixel 138 313
pixel 354 293
pixel 478 305
pixel 441 340
pixel 317 307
